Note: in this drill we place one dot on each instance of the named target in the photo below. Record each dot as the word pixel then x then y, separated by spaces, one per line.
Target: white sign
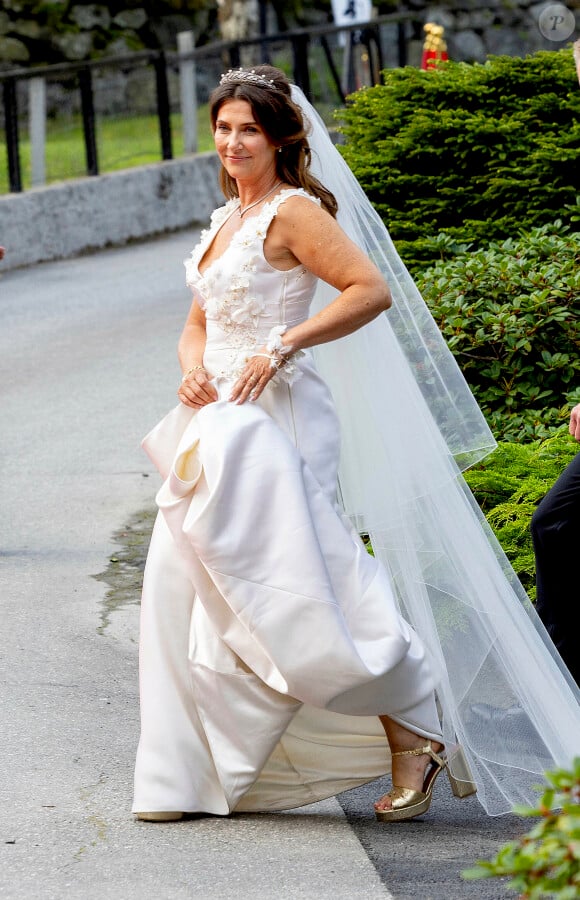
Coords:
pixel 349 12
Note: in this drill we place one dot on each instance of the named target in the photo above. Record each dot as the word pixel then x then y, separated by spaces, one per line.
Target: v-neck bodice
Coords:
pixel 245 299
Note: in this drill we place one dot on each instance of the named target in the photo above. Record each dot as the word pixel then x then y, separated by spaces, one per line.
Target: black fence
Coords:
pixel 354 42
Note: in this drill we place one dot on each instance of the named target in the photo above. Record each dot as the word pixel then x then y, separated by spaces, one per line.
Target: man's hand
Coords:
pixel 574 426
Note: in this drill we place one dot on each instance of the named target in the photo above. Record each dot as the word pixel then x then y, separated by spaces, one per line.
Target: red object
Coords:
pixel 430 58
pixel 434 48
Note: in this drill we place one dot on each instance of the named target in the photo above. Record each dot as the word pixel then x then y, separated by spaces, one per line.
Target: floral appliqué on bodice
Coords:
pixel 246 301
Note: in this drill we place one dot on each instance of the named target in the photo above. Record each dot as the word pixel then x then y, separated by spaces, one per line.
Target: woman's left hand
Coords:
pixel 257 373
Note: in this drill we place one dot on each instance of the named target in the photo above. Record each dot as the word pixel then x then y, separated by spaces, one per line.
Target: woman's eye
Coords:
pixel 222 128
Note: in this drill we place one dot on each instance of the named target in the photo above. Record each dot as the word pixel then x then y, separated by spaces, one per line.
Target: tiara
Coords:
pixel 236 76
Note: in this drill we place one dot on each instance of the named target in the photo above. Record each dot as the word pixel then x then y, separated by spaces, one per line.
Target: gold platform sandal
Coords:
pixel 407 803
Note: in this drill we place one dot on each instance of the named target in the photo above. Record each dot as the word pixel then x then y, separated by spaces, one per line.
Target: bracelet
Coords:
pixel 275 345
pixel 193 369
pixel 279 353
pixel 277 360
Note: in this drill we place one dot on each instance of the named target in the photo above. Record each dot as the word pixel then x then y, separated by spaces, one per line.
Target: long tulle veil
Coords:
pixel 409 425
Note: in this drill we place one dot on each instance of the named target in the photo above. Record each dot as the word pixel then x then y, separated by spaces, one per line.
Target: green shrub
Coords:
pixel 511 316
pixel 546 861
pixel 478 152
pixel 508 486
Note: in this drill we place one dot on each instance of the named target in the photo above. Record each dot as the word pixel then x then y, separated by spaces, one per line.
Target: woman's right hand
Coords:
pixel 196 390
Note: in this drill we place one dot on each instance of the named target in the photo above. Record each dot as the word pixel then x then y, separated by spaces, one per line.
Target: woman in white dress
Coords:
pixel 276 668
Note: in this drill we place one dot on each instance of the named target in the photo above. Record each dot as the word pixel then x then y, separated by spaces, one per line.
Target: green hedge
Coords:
pixel 545 862
pixel 508 486
pixel 478 152
pixel 511 316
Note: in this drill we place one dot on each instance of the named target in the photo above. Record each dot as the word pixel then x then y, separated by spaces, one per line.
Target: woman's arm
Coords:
pixel 304 233
pixel 195 389
pixel 308 234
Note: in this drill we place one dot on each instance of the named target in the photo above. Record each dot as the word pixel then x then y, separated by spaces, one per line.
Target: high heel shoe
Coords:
pixel 408 803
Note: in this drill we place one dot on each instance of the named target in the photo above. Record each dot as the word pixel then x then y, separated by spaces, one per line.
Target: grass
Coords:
pixel 122 143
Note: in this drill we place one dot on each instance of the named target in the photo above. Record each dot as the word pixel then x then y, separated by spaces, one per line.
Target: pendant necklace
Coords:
pixel 242 212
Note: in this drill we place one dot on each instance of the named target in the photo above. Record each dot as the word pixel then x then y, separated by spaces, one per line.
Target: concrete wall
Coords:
pixel 89 213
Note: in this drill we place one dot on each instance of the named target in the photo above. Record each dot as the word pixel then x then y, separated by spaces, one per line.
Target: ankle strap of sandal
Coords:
pixel 421 751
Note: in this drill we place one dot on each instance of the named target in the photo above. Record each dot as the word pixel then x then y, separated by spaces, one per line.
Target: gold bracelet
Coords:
pixel 193 369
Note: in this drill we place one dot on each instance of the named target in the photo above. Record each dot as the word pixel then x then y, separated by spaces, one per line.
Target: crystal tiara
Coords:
pixel 237 76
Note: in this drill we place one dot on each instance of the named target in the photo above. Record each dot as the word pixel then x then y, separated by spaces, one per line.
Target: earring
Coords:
pixel 280 149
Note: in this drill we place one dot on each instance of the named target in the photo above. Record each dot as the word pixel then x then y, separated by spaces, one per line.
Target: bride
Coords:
pixel 276 665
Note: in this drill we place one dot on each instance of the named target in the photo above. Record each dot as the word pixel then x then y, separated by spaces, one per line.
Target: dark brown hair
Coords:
pixel 283 124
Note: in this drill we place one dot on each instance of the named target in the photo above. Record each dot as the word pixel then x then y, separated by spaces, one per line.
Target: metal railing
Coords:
pixel 362 39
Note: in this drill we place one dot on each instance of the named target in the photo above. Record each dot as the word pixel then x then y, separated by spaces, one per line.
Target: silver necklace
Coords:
pixel 242 212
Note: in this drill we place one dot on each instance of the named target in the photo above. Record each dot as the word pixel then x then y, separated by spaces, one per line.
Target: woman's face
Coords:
pixel 244 149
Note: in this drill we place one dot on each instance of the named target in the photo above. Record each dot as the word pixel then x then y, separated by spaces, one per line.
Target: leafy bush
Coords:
pixel 511 316
pixel 546 861
pixel 475 151
pixel 508 486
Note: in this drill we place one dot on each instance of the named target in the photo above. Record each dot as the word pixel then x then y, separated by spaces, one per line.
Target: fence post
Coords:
pixel 88 110
pixel 37 129
pixel 235 58
pixel 187 92
pixel 402 43
pixel 332 67
pixel 11 124
pixel 348 69
pixel 263 26
pixel 163 113
pixel 301 71
pixel 370 38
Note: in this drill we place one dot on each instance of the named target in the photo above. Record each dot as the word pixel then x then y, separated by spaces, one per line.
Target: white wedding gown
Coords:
pixel 270 639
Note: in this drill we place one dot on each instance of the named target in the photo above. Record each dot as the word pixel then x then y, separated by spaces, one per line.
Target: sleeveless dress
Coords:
pixel 271 640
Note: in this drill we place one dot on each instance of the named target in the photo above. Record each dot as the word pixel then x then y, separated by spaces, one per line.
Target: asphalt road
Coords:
pixel 87 366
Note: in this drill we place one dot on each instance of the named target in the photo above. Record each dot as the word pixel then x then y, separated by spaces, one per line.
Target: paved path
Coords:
pixel 87 366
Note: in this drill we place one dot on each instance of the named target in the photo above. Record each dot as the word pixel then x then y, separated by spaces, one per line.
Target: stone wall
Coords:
pixel 70 31
pixel 90 213
pixel 473 30
pixel 64 30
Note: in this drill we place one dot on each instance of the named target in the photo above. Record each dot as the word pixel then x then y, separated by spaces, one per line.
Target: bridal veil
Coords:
pixel 409 425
